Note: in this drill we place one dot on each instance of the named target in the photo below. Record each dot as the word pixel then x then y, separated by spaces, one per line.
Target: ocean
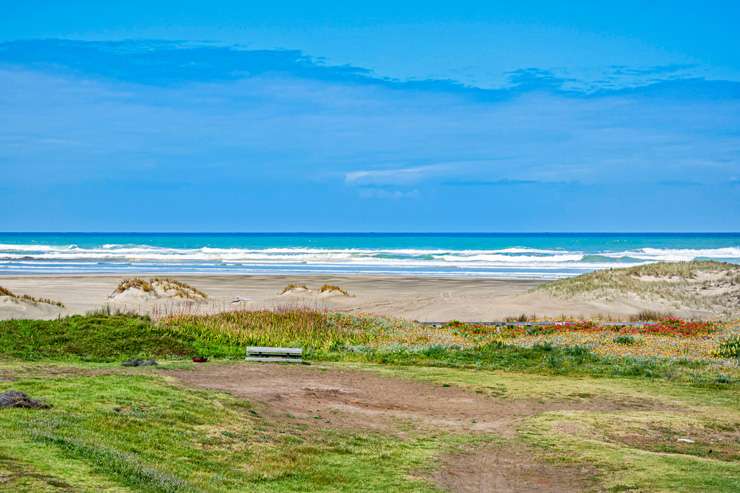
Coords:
pixel 495 255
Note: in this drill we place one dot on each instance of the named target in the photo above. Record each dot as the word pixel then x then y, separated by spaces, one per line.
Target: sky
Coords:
pixel 369 116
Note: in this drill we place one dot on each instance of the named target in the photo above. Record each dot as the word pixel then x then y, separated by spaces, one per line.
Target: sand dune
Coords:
pixel 17 306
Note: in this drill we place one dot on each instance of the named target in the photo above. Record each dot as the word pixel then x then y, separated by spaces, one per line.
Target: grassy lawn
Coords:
pixel 119 432
pixel 664 424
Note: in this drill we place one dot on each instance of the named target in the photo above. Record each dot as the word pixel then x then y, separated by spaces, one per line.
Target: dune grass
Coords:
pixel 294 287
pixel 689 284
pixel 178 288
pixel 651 316
pixel 331 288
pixel 29 299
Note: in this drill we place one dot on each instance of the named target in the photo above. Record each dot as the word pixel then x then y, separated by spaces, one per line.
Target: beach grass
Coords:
pixel 701 285
pixel 29 299
pixel 179 289
pixel 294 287
pixel 331 288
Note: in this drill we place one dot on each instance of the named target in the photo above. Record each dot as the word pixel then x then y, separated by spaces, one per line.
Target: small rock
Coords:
pixel 140 362
pixel 13 398
pixel 685 440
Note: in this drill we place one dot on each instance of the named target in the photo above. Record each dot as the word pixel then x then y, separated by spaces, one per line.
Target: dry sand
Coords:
pixel 413 298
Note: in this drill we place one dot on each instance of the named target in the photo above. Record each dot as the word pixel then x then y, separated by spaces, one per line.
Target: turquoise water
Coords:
pixel 531 255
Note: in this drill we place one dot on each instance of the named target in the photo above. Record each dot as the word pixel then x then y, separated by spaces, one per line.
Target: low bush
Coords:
pixel 624 339
pixel 729 348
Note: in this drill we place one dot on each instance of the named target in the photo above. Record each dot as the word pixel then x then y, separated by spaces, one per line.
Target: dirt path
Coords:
pixel 363 400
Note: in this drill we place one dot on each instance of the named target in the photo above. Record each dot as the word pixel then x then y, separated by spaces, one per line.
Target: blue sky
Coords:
pixel 191 116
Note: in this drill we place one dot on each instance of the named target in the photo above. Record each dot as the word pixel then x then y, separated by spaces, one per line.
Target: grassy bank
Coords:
pixel 114 429
pixel 340 337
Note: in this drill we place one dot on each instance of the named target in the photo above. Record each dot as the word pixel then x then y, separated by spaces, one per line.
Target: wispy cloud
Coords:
pixel 396 176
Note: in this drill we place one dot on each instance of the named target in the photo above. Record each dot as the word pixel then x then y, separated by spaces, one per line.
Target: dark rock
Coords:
pixel 140 362
pixel 13 398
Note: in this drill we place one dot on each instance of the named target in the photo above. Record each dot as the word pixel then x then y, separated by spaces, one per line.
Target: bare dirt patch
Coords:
pixel 509 468
pixel 355 399
pixel 366 400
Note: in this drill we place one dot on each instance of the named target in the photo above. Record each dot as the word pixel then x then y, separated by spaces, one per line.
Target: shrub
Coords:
pixel 624 339
pixel 729 348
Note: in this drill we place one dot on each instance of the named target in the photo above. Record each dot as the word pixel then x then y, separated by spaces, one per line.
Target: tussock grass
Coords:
pixel 309 329
pixel 331 288
pixel 651 316
pixel 291 287
pixel 159 285
pixel 134 283
pixel 523 318
pixel 29 299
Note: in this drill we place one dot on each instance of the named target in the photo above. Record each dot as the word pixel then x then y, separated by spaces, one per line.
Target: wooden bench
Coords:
pixel 275 354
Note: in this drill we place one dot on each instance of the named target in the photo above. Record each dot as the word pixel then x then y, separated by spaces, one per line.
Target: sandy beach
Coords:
pixel 412 298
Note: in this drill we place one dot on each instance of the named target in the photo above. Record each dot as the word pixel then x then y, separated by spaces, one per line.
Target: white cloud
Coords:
pixel 395 175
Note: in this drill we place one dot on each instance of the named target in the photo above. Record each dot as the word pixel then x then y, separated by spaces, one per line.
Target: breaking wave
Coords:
pixel 506 262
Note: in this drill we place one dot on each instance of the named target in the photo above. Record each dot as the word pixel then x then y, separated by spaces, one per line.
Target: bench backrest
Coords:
pixel 263 353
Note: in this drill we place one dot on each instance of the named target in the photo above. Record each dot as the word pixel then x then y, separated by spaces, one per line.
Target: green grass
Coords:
pixel 629 468
pixel 324 337
pixel 90 338
pixel 112 429
pixel 545 359
pixel 730 348
pixel 140 433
